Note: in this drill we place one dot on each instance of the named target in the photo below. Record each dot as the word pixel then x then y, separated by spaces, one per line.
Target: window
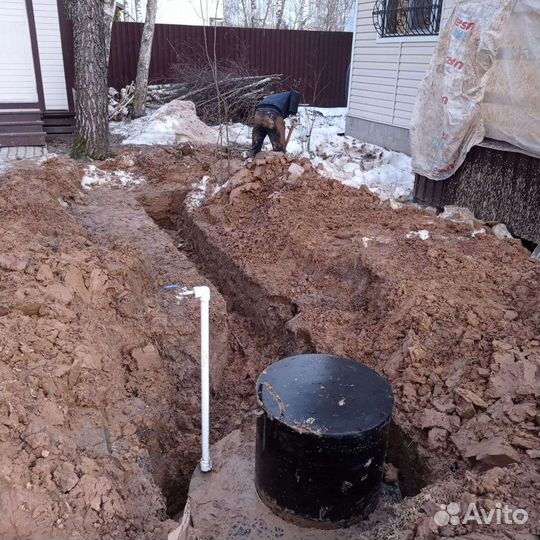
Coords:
pixel 397 18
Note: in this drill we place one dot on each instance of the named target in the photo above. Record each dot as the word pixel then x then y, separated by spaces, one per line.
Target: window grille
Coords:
pixel 396 18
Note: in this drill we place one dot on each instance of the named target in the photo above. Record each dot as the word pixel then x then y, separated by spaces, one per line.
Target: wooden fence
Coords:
pixel 315 63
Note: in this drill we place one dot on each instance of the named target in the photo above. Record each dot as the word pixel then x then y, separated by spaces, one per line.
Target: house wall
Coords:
pixel 386 73
pixel 50 54
pixel 17 74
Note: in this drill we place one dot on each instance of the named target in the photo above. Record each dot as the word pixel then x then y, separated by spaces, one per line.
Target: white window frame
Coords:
pixel 404 39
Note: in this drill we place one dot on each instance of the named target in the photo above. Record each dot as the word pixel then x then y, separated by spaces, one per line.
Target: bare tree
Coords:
pixel 90 59
pixel 332 15
pixel 280 12
pixel 138 10
pixel 109 7
pixel 143 67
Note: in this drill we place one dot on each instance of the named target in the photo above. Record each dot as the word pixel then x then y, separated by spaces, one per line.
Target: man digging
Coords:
pixel 269 120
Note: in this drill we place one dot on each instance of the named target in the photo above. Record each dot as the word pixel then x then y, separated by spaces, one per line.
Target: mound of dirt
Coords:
pixel 99 367
pixel 99 397
pixel 447 312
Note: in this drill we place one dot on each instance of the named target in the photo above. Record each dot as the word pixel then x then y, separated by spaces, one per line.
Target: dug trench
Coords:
pixel 315 266
pixel 250 332
pixel 101 401
pixel 259 323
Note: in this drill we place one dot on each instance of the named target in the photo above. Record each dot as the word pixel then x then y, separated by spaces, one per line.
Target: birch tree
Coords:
pixel 90 60
pixel 331 15
pixel 143 67
pixel 108 17
pixel 280 12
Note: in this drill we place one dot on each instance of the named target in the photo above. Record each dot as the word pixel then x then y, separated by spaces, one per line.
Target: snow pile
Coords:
pixel 236 134
pixel 319 136
pixel 316 126
pixel 97 177
pixel 197 197
pixel 5 165
pixel 387 174
pixel 422 234
pixel 175 122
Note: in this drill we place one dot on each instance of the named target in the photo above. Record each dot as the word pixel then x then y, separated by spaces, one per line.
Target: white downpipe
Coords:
pixel 203 294
pixel 355 22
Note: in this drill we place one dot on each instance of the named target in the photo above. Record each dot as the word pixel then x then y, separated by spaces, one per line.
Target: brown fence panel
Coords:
pixel 315 63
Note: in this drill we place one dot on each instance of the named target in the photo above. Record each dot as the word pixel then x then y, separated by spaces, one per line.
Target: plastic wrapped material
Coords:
pixel 482 82
pixel 511 106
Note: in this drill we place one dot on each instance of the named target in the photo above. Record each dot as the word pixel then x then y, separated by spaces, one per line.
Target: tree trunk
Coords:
pixel 138 11
pixel 280 13
pixel 108 17
pixel 90 59
pixel 141 82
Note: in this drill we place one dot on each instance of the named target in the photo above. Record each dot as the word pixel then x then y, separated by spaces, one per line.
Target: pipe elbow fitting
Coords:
pixel 203 293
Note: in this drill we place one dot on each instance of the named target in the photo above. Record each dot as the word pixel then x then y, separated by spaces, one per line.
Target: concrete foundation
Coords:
pixel 385 135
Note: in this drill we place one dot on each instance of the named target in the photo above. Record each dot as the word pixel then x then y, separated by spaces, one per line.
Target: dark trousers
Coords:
pixel 271 123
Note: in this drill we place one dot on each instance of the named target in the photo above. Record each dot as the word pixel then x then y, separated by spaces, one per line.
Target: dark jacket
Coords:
pixel 285 103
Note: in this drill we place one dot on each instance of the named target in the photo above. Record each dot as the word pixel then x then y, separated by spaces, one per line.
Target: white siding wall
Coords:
pixel 387 71
pixel 17 76
pixel 50 54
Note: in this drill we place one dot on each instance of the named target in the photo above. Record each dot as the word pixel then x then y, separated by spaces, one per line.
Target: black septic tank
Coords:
pixel 321 441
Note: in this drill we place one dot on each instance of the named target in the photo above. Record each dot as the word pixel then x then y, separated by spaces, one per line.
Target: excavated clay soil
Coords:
pixel 451 321
pixel 99 366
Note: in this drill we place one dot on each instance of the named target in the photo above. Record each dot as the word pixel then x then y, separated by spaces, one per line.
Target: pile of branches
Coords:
pixel 232 99
pixel 222 93
pixel 120 100
pixel 158 94
pixel 226 92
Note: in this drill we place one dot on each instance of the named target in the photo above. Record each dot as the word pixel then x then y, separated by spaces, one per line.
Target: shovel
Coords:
pixel 294 123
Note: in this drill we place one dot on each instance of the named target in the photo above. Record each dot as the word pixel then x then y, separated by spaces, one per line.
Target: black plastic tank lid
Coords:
pixel 325 394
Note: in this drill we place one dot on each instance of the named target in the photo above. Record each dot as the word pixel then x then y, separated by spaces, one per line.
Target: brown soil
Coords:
pixel 99 400
pixel 451 321
pixel 99 366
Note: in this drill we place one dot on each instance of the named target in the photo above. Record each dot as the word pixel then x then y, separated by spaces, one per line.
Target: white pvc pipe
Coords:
pixel 355 23
pixel 203 293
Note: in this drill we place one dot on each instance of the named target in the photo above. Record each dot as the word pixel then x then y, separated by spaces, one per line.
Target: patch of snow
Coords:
pixel 387 174
pixel 501 232
pixel 478 232
pixel 236 133
pixel 219 187
pixel 457 214
pixel 197 196
pixel 366 241
pixel 5 165
pixel 45 157
pixel 295 170
pixel 422 234
pixel 172 123
pixel 97 177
